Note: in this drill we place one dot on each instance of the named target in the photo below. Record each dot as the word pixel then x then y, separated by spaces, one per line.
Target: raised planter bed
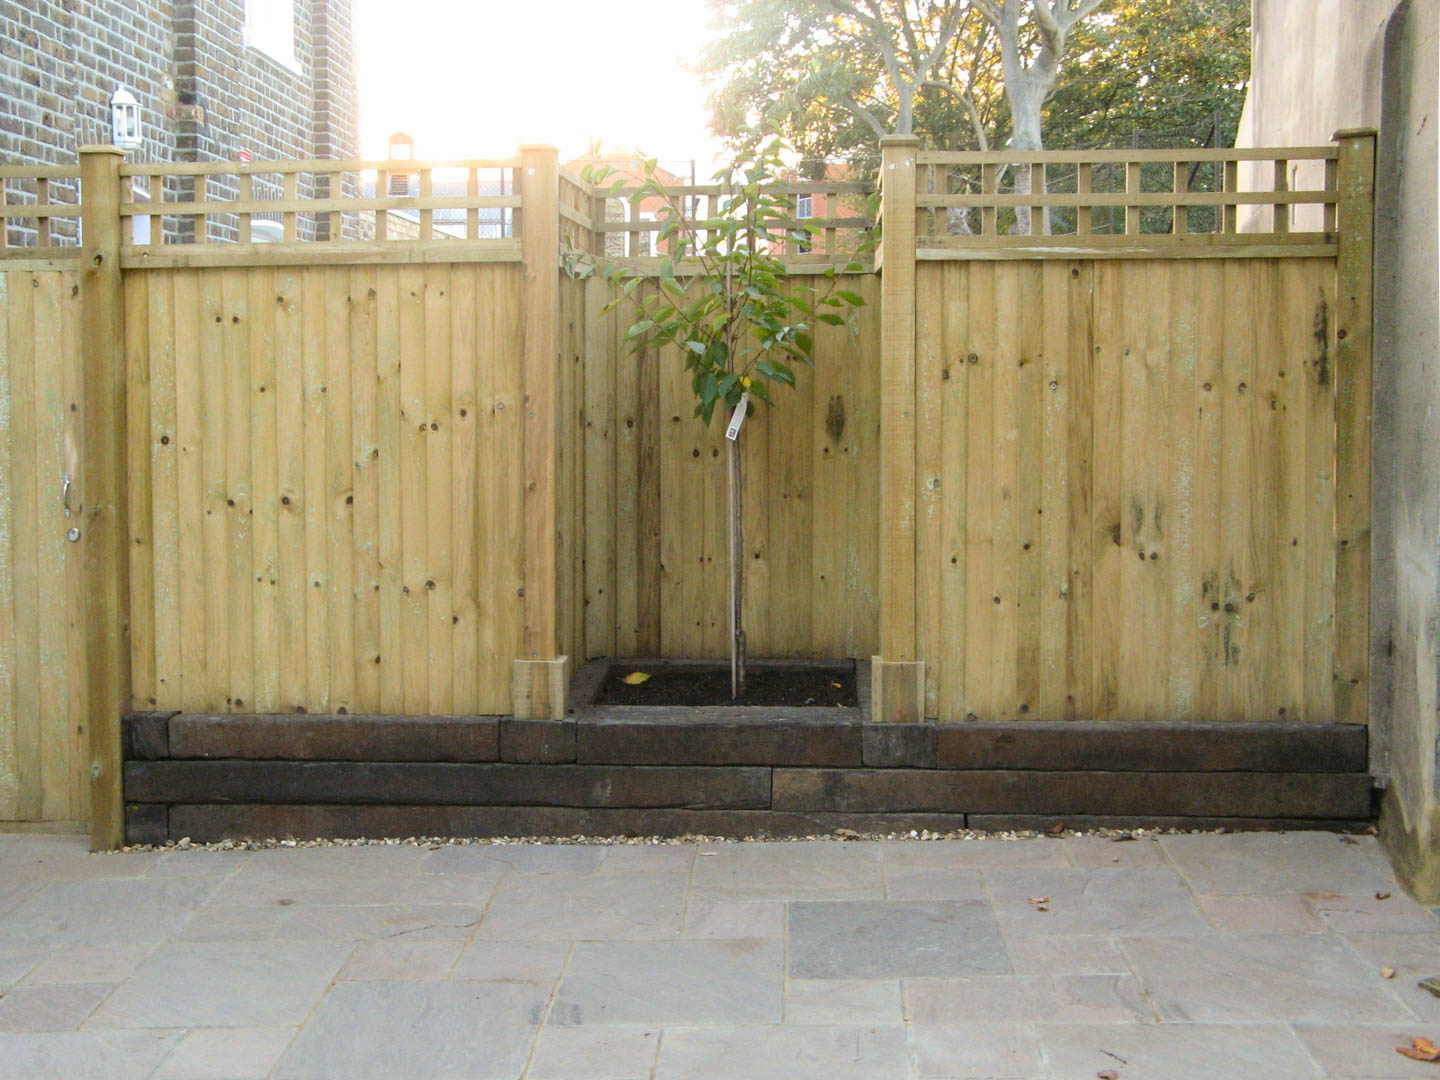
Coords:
pixel 724 771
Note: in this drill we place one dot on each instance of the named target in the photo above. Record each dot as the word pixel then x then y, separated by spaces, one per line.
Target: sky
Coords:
pixel 474 78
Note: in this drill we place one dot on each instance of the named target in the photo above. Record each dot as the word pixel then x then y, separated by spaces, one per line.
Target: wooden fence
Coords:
pixel 1096 447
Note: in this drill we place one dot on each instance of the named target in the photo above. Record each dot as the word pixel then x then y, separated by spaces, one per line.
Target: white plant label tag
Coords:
pixel 738 417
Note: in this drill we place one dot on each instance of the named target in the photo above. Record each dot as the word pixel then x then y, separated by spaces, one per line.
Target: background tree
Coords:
pixel 1154 66
pixel 834 75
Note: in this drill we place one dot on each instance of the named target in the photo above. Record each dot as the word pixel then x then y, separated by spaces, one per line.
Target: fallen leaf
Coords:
pixel 1431 984
pixel 1038 900
pixel 836 685
pixel 1387 973
pixel 1056 829
pixel 1122 838
pixel 1042 907
pixel 1348 840
pixel 635 678
pixel 1420 1050
pixel 1107 1074
pixel 1382 896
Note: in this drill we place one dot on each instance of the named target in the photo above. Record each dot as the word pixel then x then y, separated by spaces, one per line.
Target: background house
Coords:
pixel 214 78
pixel 1372 63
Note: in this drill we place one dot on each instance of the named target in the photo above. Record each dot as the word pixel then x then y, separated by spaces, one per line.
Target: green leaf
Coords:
pixel 830 318
pixel 854 299
pixel 774 369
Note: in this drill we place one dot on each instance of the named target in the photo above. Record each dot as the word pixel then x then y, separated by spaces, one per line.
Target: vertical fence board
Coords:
pixel 415 625
pixel 11 778
pixel 138 396
pixel 339 490
pixel 315 418
pixel 239 481
pixel 264 489
pixel 465 688
pixel 164 457
pixel 389 486
pixel 365 477
pixel 437 515
pixel 294 586
pixel 215 532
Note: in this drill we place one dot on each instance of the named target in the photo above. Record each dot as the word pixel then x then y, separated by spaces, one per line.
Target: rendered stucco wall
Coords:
pixel 1334 64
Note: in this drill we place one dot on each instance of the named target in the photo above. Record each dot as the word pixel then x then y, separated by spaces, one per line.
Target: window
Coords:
pixel 270 28
pixel 804 208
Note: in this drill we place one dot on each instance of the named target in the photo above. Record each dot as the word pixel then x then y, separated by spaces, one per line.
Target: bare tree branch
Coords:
pixel 968 103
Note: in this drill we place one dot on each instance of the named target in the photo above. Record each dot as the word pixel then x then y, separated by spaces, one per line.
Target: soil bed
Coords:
pixel 789 686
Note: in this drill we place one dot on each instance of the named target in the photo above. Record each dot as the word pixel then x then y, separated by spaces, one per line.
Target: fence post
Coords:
pixel 897 676
pixel 1353 310
pixel 102 489
pixel 540 677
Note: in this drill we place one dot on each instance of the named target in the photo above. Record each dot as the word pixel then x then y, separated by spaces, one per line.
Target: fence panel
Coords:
pixel 331 485
pixel 656 513
pixel 43 714
pixel 1127 489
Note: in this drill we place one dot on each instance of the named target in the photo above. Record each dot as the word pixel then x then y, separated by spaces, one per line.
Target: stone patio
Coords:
pixel 1246 955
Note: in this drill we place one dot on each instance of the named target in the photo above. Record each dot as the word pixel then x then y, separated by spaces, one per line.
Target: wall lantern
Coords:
pixel 125 120
pixel 402 148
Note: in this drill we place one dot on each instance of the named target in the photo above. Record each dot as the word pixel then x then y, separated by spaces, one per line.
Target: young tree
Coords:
pixel 738 319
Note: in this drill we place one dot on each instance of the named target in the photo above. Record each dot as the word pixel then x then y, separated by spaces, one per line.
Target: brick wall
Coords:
pixel 204 94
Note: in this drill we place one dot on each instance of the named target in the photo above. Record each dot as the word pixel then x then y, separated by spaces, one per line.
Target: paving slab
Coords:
pixel 232 984
pixel 85 1055
pixel 512 961
pixel 50 1008
pixel 867 1052
pixel 1073 954
pixel 788 871
pixel 1279 862
pixel 226 1054
pixel 596 1053
pixel 417 1031
pixel 104 912
pixel 878 939
pixel 734 919
pixel 1285 913
pixel 978 1051
pixel 1080 999
pixel 402 960
pixel 1413 957
pixel 1104 900
pixel 514 858
pixel 1176 1051
pixel 1245 978
pixel 976 853
pixel 15 964
pixel 1363 1051
pixel 89 964
pixel 843 1001
pixel 584 906
pixel 671 982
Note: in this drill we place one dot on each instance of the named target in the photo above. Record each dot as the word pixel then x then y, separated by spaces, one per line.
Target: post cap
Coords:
pixel 102 148
pixel 899 140
pixel 1353 133
pixel 538 147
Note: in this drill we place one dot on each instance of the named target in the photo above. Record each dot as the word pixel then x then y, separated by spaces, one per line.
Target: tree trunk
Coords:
pixel 737 572
pixel 1025 102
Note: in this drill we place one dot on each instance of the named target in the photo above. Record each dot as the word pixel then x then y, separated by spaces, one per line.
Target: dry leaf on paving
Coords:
pixel 1038 900
pixel 1107 1074
pixel 635 678
pixel 1382 895
pixel 1420 1049
pixel 836 685
pixel 1387 973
